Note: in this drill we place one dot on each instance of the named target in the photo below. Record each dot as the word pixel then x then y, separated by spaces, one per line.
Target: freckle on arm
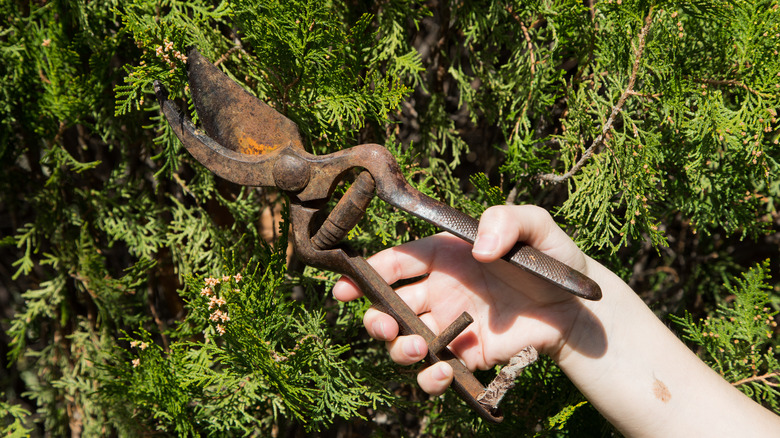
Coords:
pixel 661 392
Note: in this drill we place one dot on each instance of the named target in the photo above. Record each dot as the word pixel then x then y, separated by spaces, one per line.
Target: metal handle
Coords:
pixel 397 192
pixel 384 298
pixel 521 255
pixel 347 213
pixel 468 388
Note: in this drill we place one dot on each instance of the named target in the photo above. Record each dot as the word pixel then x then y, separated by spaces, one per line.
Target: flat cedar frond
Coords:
pixel 739 339
pixel 650 129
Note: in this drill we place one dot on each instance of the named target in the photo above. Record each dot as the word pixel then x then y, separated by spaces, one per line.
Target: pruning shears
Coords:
pixel 245 141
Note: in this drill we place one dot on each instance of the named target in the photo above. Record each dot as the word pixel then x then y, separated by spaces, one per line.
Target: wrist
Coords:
pixel 587 335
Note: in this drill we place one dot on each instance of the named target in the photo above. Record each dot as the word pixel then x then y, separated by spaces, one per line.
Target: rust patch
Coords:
pixel 248 146
pixel 661 392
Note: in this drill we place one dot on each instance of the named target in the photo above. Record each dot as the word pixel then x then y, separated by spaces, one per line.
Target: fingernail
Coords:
pixel 486 244
pixel 442 372
pixel 379 327
pixel 412 348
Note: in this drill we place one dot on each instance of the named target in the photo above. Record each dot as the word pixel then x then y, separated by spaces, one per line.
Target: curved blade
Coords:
pixel 244 169
pixel 233 117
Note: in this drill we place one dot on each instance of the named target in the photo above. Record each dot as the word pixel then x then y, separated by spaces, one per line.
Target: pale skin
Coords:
pixel 627 363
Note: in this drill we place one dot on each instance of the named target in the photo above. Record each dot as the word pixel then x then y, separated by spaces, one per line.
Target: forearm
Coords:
pixel 644 380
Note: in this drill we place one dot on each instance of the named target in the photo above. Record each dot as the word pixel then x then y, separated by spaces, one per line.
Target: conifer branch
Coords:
pixel 763 379
pixel 591 10
pixel 98 209
pixel 591 45
pixel 732 83
pixel 599 141
pixel 223 58
pixel 646 96
pixel 522 114
pixel 530 48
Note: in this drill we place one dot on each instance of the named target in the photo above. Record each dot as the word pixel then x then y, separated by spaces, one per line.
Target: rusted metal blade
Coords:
pixel 233 117
pixel 249 170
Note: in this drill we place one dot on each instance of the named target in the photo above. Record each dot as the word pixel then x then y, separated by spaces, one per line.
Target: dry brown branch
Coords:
pixel 592 10
pixel 512 196
pixel 223 58
pixel 150 299
pixel 646 96
pixel 763 379
pixel 507 377
pixel 530 48
pixel 599 141
pixel 43 77
pixel 731 83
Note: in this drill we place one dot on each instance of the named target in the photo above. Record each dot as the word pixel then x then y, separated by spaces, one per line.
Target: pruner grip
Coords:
pixel 523 256
pixel 319 251
pixel 347 212
pixel 542 270
pixel 385 299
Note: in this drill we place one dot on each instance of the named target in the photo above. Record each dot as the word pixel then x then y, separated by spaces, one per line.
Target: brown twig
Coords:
pixel 43 77
pixel 507 377
pixel 731 83
pixel 599 141
pixel 530 48
pixel 763 379
pixel 511 198
pixel 156 316
pixel 592 10
pixel 227 54
pixel 646 96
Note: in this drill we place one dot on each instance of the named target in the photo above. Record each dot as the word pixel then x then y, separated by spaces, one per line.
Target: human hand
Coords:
pixel 625 361
pixel 511 309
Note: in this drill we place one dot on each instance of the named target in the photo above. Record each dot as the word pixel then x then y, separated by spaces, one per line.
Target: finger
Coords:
pixel 430 321
pixel 436 378
pixel 412 259
pixel 416 296
pixel 383 327
pixel 502 226
pixel 346 290
pixel 406 350
pixel 380 325
pixel 409 260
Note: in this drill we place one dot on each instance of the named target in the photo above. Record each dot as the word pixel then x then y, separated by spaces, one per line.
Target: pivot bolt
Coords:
pixel 291 173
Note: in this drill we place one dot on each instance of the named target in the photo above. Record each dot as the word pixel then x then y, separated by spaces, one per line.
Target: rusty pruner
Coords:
pixel 247 142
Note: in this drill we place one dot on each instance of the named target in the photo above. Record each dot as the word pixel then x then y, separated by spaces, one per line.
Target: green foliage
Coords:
pixel 649 128
pixel 639 107
pixel 327 78
pixel 260 360
pixel 14 418
pixel 491 195
pixel 544 403
pixel 559 420
pixel 688 130
pixel 739 340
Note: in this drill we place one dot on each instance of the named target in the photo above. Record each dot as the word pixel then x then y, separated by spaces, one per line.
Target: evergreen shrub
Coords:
pixel 142 295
